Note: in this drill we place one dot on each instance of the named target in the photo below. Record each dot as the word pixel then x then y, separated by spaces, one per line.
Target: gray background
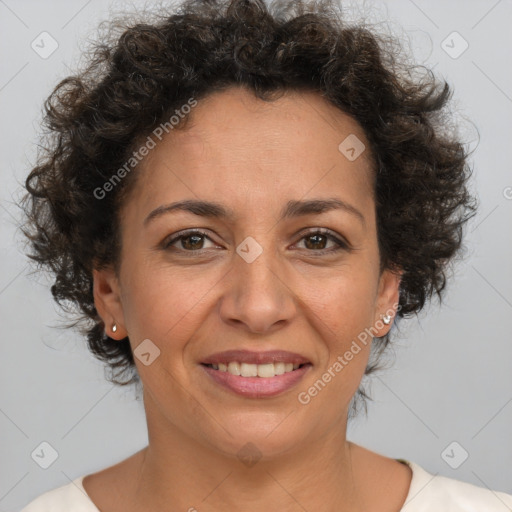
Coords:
pixel 451 379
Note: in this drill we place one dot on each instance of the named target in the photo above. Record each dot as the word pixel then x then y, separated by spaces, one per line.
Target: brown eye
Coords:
pixel 317 241
pixel 191 241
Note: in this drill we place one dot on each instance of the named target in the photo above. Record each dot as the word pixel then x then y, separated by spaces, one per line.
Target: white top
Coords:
pixel 427 493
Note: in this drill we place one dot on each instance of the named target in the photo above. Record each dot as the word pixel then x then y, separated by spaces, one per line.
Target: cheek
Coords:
pixel 347 349
pixel 346 314
pixel 345 303
pixel 163 304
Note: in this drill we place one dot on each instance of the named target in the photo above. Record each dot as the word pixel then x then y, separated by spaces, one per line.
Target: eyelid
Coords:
pixel 340 241
pixel 182 234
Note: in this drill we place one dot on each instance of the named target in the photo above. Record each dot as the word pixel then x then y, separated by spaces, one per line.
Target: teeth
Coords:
pixel 255 370
pixel 266 370
pixel 234 368
pixel 279 368
pixel 249 370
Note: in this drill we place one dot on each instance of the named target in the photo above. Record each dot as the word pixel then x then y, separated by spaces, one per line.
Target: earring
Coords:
pixel 386 319
pixel 114 327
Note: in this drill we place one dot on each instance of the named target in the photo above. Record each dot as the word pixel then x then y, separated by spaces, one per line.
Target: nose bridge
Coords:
pixel 257 262
pixel 257 295
pixel 257 265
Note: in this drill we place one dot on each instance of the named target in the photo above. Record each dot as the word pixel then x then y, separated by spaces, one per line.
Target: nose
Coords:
pixel 257 295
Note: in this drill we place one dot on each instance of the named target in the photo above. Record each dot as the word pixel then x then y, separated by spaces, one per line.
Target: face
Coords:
pixel 306 284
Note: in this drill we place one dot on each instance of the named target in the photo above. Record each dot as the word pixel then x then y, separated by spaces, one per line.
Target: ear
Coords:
pixel 388 296
pixel 107 300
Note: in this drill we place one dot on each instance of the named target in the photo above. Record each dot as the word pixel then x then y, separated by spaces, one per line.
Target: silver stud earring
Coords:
pixel 114 327
pixel 386 319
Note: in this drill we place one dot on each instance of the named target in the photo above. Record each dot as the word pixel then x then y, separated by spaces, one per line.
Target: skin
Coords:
pixel 253 157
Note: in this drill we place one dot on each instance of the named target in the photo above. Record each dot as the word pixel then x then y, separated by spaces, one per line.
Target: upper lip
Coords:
pixel 249 357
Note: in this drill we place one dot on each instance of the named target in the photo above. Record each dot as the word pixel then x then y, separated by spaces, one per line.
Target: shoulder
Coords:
pixel 67 498
pixel 432 492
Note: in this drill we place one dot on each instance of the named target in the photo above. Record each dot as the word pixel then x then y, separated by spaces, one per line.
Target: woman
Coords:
pixel 242 201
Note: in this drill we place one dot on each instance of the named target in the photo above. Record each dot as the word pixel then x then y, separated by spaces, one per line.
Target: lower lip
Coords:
pixel 257 387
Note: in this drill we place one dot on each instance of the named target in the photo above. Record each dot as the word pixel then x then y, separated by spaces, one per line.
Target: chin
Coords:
pixel 258 435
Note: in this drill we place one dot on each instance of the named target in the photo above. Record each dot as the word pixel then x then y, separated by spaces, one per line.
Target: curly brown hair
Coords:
pixel 133 82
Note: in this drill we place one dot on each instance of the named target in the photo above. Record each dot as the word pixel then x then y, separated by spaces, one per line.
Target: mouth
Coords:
pixel 256 374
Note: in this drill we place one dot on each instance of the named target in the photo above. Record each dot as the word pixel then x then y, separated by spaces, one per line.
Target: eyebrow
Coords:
pixel 293 208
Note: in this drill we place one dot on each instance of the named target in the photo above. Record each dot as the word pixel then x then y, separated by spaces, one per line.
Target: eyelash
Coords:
pixel 341 245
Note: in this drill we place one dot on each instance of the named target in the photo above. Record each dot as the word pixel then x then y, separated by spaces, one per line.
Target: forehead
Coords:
pixel 253 155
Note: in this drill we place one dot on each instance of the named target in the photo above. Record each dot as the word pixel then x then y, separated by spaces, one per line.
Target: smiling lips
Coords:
pixel 256 374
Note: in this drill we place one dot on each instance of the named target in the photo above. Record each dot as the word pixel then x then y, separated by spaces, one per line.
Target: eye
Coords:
pixel 190 241
pixel 316 241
